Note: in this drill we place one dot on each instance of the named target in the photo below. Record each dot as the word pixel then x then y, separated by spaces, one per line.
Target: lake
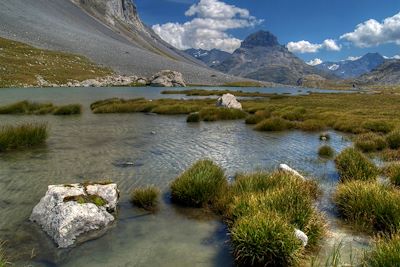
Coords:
pixel 136 150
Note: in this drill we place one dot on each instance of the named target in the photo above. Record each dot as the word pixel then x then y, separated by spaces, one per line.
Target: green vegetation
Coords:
pixel 370 142
pixel 326 152
pixel 378 126
pixel 200 185
pixel 218 114
pixel 146 198
pixel 393 139
pixel 353 165
pixel 3 259
pixel 23 64
pixel 83 199
pixel 31 108
pixel 193 117
pixel 258 116
pixel 273 124
pixel 72 109
pixel 22 136
pixel 369 205
pixel 385 253
pixel 393 172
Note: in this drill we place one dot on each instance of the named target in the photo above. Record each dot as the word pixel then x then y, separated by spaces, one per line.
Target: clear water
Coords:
pixel 96 147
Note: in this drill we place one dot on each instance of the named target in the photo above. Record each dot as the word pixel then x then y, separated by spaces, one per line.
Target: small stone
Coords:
pixel 301 236
pixel 286 168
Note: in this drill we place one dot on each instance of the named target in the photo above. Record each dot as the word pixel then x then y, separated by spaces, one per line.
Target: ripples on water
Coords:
pixel 122 147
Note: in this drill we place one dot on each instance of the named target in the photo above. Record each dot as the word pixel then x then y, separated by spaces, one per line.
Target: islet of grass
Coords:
pixel 146 197
pixel 22 136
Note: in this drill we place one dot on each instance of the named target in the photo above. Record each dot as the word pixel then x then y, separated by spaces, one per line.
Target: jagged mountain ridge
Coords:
pixel 109 32
pixel 353 68
pixel 386 74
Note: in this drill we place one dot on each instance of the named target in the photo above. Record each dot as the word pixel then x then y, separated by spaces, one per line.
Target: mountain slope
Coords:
pixel 386 74
pixel 261 57
pixel 108 32
pixel 209 57
pixel 353 68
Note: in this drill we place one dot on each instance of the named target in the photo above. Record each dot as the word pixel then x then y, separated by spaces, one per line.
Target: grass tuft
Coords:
pixel 393 172
pixel 378 126
pixel 193 117
pixel 83 199
pixel 72 109
pixel 385 253
pixel 393 139
pixel 31 108
pixel 370 142
pixel 353 165
pixel 326 152
pixel 273 124
pixel 200 185
pixel 22 136
pixel 146 198
pixel 218 114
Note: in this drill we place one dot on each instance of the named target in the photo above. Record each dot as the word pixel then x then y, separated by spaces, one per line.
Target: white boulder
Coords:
pixel 228 101
pixel 286 168
pixel 64 219
pixel 167 78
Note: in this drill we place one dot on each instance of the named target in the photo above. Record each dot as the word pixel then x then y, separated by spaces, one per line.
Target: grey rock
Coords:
pixel 286 168
pixel 386 74
pixel 167 78
pixel 228 101
pixel 64 221
pixel 300 235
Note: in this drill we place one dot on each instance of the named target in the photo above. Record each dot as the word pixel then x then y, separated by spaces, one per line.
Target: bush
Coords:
pixel 326 152
pixel 273 124
pixel 72 109
pixel 393 139
pixel 378 126
pixel 352 165
pixel 265 239
pixel 200 185
pixel 218 114
pixel 22 136
pixel 393 172
pixel 146 198
pixel 370 142
pixel 193 117
pixel 368 205
pixel 385 253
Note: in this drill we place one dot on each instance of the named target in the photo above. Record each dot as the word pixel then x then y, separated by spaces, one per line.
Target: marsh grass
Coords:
pixel 72 109
pixel 369 206
pixel 3 259
pixel 378 126
pixel 353 165
pixel 193 117
pixel 385 253
pixel 219 114
pixel 22 136
pixel 393 139
pixel 273 124
pixel 200 185
pixel 310 125
pixel 258 116
pixel 370 142
pixel 83 199
pixel 146 197
pixel 393 172
pixel 326 152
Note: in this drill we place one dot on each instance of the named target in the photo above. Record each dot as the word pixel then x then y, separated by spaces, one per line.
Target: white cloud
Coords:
pixel 374 33
pixel 314 62
pixel 393 57
pixel 208 29
pixel 307 47
pixel 353 58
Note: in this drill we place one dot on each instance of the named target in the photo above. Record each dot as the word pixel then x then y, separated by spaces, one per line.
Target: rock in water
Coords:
pixel 300 235
pixel 68 211
pixel 168 78
pixel 286 168
pixel 228 101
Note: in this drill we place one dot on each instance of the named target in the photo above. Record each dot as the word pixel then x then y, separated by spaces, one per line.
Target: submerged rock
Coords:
pixel 286 168
pixel 68 211
pixel 228 101
pixel 167 78
pixel 300 235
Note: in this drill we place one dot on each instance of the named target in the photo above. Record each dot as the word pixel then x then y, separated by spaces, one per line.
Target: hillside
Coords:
pixel 109 33
pixel 386 74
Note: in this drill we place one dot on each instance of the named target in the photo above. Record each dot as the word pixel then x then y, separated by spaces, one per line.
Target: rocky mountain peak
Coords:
pixel 260 38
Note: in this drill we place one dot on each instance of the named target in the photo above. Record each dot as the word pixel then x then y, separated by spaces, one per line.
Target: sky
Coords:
pixel 315 30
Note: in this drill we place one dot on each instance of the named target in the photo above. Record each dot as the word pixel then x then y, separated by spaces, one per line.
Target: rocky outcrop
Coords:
pixel 386 74
pixel 228 101
pixel 286 168
pixel 69 211
pixel 167 78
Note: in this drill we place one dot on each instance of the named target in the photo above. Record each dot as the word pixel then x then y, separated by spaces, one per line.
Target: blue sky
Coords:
pixel 320 24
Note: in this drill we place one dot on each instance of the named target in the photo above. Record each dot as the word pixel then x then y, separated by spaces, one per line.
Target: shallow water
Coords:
pixel 97 147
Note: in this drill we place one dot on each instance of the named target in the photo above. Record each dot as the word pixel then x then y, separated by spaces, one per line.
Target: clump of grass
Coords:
pixel 72 109
pixel 393 139
pixel 369 205
pixel 326 151
pixel 3 259
pixel 378 126
pixel 385 253
pixel 146 198
pixel 193 117
pixel 370 142
pixel 26 107
pixel 393 172
pixel 199 185
pixel 353 165
pixel 83 199
pixel 296 114
pixel 22 136
pixel 311 125
pixel 263 239
pixel 258 116
pixel 348 126
pixel 273 124
pixel 218 114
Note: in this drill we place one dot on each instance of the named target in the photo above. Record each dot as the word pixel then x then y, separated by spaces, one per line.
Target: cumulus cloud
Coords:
pixel 393 57
pixel 374 33
pixel 351 58
pixel 314 62
pixel 208 28
pixel 307 47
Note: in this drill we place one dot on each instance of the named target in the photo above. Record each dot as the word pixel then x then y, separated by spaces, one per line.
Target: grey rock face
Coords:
pixel 168 78
pixel 64 220
pixel 229 101
pixel 386 74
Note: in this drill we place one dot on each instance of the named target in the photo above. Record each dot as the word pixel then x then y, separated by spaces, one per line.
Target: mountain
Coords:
pixel 109 32
pixel 353 68
pixel 386 74
pixel 261 57
pixel 209 57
